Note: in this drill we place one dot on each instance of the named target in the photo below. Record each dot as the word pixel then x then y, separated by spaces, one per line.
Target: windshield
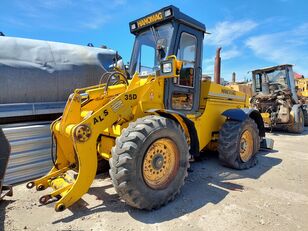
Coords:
pixel 277 76
pixel 275 79
pixel 146 58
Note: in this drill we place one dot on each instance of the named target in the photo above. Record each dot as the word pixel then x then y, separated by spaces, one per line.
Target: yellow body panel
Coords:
pixel 215 99
pixel 242 87
pixel 266 118
pixel 302 85
pixel 95 116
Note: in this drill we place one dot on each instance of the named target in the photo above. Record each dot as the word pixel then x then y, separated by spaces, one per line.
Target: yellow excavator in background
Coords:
pixel 302 88
pixel 148 121
pixel 302 93
pixel 245 86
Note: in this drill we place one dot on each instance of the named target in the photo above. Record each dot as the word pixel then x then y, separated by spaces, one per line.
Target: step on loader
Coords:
pixel 148 120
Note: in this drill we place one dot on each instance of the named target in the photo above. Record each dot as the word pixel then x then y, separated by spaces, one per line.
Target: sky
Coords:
pixel 252 34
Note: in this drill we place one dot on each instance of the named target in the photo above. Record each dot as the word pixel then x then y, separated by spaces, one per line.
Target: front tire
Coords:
pixel 238 143
pixel 149 162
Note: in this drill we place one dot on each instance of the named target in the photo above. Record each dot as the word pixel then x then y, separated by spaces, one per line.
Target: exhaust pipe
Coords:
pixel 217 66
pixel 233 77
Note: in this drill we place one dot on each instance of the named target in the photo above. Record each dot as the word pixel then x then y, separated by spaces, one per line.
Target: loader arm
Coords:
pixel 76 136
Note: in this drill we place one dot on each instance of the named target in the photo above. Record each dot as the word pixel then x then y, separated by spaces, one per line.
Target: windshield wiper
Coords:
pixel 154 35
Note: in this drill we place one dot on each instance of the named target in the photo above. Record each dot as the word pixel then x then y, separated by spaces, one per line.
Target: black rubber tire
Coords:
pixel 298 127
pixel 127 159
pixel 229 143
pixel 305 112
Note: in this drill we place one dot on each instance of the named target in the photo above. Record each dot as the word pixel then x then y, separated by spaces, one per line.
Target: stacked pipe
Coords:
pixel 217 66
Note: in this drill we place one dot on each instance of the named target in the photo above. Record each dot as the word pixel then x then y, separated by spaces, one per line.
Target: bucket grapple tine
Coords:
pixel 87 166
pixel 61 166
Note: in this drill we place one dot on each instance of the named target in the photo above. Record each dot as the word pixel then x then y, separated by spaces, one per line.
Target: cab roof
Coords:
pixel 165 14
pixel 265 69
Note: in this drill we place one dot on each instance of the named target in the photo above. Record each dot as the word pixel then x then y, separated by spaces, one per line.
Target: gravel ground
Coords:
pixel 271 196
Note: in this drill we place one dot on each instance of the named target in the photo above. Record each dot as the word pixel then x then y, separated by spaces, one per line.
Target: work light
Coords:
pixel 166 67
pixel 133 26
pixel 168 12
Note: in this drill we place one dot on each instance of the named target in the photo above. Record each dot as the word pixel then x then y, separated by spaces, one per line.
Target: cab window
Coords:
pixel 146 60
pixel 187 54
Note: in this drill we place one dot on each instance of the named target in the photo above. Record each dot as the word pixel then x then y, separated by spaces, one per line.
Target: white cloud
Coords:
pixel 283 47
pixel 96 22
pixel 118 2
pixel 48 13
pixel 225 33
pixel 230 53
pixel 208 66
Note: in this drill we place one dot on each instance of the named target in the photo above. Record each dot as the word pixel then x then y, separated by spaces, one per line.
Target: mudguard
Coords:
pixel 174 115
pixel 241 114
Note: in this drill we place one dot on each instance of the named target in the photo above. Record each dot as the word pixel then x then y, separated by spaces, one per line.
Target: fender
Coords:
pixel 243 113
pixel 189 126
pixel 295 109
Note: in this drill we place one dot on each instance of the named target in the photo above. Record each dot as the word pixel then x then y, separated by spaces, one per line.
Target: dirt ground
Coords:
pixel 271 196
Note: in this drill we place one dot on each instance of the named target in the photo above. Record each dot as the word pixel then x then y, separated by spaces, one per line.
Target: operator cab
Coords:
pixel 161 34
pixel 272 79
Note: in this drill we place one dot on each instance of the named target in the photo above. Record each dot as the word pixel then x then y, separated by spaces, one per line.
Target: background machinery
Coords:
pixel 27 63
pixel 276 98
pixel 302 94
pixel 243 86
pixel 36 78
pixel 149 122
pixel 5 150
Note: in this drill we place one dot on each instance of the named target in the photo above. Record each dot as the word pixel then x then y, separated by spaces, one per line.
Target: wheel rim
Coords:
pixel 246 146
pixel 161 163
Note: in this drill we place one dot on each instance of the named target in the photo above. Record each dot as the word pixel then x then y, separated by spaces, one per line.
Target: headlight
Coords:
pixel 167 67
pixel 133 26
pixel 168 13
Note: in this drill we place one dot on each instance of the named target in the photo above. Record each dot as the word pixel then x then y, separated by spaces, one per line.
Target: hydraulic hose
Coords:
pixel 53 158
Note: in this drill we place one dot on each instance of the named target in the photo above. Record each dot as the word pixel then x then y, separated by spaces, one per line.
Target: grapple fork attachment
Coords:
pixel 70 156
pixel 76 139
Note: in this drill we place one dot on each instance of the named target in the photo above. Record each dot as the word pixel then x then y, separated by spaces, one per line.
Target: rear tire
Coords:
pixel 298 127
pixel 305 112
pixel 149 162
pixel 238 143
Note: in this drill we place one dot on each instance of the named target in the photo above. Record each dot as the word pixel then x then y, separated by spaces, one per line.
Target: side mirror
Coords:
pixel 127 66
pixel 120 64
pixel 161 47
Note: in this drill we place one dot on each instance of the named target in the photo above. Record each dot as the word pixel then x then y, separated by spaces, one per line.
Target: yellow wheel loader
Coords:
pixel 302 88
pixel 302 93
pixel 149 120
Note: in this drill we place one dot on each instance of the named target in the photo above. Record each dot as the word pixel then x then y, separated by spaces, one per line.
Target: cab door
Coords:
pixel 183 93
